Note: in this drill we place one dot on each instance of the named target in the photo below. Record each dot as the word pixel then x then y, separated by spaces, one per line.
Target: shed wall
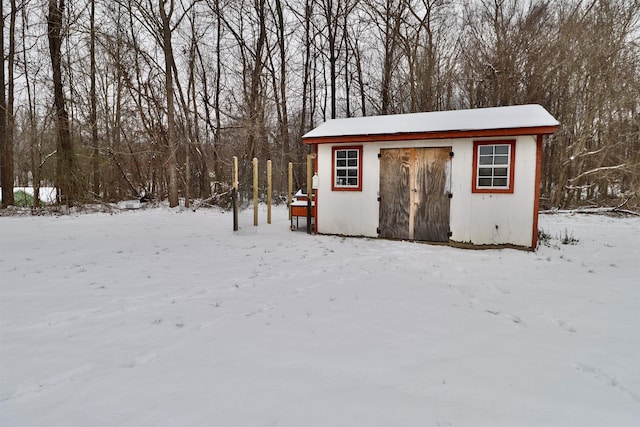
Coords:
pixel 480 219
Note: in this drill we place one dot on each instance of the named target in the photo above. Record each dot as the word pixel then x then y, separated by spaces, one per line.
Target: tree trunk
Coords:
pixel 308 10
pixel 217 145
pixel 7 184
pixel 65 173
pixel 93 114
pixel 284 123
pixel 171 126
pixel 11 95
pixel 33 140
pixel 333 57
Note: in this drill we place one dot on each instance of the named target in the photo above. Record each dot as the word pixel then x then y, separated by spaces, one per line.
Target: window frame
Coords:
pixel 334 169
pixel 508 189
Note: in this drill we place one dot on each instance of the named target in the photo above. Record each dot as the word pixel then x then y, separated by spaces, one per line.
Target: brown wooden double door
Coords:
pixel 414 193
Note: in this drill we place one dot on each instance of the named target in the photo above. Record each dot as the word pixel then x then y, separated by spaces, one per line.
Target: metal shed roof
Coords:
pixel 479 119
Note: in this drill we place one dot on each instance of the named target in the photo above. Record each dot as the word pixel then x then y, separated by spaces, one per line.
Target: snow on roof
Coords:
pixel 511 117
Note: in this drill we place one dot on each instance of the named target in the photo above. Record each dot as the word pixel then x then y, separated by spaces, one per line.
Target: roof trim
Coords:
pixel 479 133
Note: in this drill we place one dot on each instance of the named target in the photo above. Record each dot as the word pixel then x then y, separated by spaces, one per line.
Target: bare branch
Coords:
pixel 597 170
pixel 46 158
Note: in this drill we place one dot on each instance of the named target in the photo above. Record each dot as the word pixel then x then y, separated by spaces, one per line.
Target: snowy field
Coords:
pixel 166 318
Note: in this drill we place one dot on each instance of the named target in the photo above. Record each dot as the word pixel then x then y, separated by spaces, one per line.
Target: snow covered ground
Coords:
pixel 162 317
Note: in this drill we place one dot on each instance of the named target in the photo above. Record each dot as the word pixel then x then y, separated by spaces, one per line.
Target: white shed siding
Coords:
pixel 352 213
pixel 475 218
pixel 493 219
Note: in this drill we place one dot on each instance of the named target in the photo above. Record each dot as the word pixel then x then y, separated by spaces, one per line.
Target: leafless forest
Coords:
pixel 102 98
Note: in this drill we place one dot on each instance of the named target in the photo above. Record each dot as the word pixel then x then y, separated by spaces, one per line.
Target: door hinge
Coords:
pixel 449 234
pixel 378 230
pixel 450 195
pixel 450 153
pixel 379 155
pixel 379 199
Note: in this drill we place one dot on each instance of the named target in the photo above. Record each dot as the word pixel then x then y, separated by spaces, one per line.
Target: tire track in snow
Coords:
pixel 53 381
pixel 606 379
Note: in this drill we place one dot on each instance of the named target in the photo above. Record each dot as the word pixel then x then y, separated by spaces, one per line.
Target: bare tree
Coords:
pixel 65 173
pixel 387 17
pixel 281 89
pixel 167 49
pixel 11 66
pixel 6 163
pixel 93 115
pixel 211 102
pixel 334 14
pixel 592 160
pixel 304 18
pixel 201 173
pixel 143 98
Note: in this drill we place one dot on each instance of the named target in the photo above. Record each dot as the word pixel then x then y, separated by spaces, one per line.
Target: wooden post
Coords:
pixel 290 196
pixel 235 172
pixel 234 193
pixel 255 192
pixel 309 190
pixel 269 185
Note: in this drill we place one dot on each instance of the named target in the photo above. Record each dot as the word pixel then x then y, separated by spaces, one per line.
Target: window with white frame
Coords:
pixel 493 166
pixel 347 168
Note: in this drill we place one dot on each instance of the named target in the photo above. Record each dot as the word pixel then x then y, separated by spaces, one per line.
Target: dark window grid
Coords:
pixel 347 167
pixel 489 175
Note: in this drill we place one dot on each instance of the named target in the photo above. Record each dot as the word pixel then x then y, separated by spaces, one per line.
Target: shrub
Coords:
pixel 22 199
pixel 544 238
pixel 568 239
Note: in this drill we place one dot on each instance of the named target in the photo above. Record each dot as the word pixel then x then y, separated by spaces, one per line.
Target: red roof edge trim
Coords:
pixel 539 130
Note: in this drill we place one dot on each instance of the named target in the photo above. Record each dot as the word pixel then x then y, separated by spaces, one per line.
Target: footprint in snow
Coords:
pixel 498 289
pixel 516 319
pixel 142 359
pixel 512 317
pixel 264 308
pixel 567 326
pixel 472 301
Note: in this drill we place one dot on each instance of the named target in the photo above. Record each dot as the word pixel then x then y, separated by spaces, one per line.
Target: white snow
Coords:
pixel 156 317
pixel 509 117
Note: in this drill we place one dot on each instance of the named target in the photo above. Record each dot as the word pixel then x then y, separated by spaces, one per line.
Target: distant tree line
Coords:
pixel 103 98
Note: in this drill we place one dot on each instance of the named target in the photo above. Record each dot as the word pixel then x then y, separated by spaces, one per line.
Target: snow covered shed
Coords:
pixel 465 177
